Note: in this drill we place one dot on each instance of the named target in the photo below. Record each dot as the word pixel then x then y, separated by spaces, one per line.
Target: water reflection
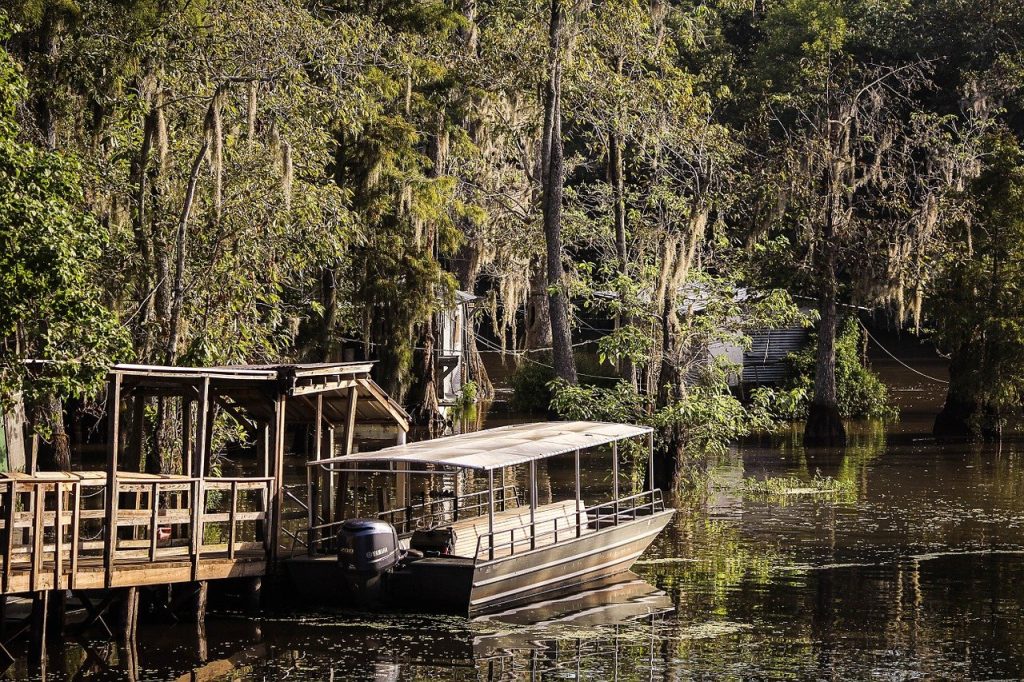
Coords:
pixel 915 571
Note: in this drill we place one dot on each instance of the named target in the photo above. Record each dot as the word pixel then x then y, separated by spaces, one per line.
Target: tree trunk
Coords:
pixel 425 401
pixel 552 172
pixel 50 412
pixel 538 320
pixel 824 424
pixel 963 415
pixel 14 432
pixel 616 178
pixel 178 288
pixel 468 273
pixel 329 301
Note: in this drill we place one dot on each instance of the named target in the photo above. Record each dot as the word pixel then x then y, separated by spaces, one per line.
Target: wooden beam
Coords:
pixel 199 464
pixel 381 397
pixel 186 436
pixel 138 433
pixel 350 421
pixel 278 474
pixel 113 444
pixel 325 387
pixel 233 411
pixel 201 446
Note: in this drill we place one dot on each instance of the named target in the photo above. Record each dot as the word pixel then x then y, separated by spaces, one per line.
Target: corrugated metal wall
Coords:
pixel 765 362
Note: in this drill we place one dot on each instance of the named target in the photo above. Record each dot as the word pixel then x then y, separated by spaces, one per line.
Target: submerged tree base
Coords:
pixel 966 419
pixel 824 426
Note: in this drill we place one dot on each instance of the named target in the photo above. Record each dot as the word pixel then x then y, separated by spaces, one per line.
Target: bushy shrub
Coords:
pixel 529 381
pixel 860 393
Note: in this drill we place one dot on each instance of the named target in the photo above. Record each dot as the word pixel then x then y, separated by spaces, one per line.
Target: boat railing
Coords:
pixel 607 514
pixel 429 513
pixel 449 508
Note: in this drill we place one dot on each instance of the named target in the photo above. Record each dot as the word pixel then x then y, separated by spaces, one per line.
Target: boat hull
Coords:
pixel 460 585
pixel 563 567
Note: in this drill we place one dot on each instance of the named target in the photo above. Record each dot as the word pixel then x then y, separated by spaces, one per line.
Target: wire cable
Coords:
pixel 887 352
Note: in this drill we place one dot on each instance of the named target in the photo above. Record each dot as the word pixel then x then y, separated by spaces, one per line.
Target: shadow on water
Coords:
pixel 911 566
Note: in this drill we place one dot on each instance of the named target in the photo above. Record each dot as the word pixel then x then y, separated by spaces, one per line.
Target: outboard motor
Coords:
pixel 368 550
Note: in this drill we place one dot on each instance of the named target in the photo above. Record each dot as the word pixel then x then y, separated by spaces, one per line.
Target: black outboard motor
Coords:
pixel 368 550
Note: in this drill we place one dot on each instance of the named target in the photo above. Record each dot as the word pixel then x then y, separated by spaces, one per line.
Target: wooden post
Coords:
pixel 58 537
pixel 263 447
pixel 12 505
pixel 76 492
pixel 113 445
pixel 128 614
pixel 202 416
pixel 33 458
pixel 200 601
pixel 311 505
pixel 314 475
pixel 350 421
pixel 56 610
pixel 199 464
pixel 37 628
pixel 38 504
pixel 328 477
pixel 138 440
pixel 232 532
pixel 278 473
pixel 154 501
pixel 186 436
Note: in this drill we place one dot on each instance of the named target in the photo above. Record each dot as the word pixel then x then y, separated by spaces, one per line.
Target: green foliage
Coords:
pixel 860 393
pixel 529 383
pixel 977 300
pixel 705 419
pixel 50 310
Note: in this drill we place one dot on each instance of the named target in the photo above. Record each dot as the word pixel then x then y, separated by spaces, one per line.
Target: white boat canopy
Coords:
pixel 496 448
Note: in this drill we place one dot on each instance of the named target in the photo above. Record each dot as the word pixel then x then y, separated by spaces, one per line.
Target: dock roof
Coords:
pixel 252 388
pixel 496 448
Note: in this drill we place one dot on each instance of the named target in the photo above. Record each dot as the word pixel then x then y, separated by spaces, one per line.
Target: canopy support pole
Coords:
pixel 650 461
pixel 533 504
pixel 490 513
pixel 615 479
pixel 579 518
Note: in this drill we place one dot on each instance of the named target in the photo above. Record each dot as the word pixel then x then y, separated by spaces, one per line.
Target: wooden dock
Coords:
pixel 169 529
pixel 101 536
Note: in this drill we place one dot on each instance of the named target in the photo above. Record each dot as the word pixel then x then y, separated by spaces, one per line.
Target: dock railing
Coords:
pixel 55 529
pixel 511 541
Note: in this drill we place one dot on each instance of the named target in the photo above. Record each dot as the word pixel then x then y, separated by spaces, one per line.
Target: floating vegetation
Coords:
pixel 793 486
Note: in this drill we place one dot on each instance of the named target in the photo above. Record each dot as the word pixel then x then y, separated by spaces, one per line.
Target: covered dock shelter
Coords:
pixel 157 513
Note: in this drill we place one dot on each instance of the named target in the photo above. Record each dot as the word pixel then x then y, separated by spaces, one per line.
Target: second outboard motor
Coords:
pixel 368 550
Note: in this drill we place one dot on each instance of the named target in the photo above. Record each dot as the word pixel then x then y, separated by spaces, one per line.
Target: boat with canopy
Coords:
pixel 437 524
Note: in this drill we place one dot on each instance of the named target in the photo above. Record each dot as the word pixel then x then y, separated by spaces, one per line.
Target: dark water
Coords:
pixel 913 568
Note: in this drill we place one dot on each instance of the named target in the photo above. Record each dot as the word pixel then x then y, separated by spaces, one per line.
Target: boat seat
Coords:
pixel 468 531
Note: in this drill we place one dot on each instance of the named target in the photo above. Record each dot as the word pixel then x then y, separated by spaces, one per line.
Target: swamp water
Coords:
pixel 910 566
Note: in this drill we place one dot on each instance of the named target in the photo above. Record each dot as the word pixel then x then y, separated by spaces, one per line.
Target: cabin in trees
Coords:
pixel 453 362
